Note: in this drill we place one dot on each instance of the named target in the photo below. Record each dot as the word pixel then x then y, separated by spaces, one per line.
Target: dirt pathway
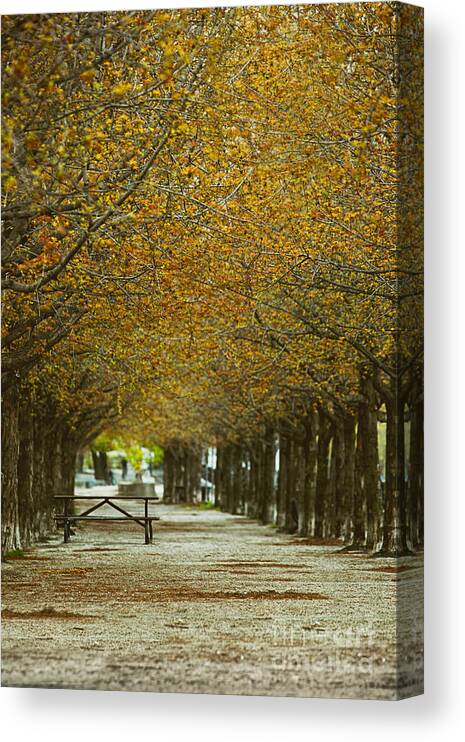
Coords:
pixel 217 604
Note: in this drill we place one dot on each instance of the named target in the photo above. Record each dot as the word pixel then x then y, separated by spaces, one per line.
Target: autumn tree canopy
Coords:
pixel 207 239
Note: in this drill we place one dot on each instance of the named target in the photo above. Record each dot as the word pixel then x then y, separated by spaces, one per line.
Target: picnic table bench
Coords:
pixel 67 516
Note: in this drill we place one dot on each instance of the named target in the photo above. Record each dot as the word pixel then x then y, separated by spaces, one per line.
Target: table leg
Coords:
pixel 146 522
pixel 150 531
pixel 66 524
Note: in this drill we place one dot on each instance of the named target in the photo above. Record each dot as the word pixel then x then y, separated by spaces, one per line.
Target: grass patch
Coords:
pixel 14 554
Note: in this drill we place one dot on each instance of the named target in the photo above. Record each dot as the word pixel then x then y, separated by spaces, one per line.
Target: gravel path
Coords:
pixel 217 604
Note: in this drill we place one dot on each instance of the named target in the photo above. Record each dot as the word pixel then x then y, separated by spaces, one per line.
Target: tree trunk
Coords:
pixel 195 473
pixel 370 462
pixel 188 474
pixel 44 484
pixel 184 474
pixel 349 474
pixel 291 513
pixel 218 481
pixel 416 471
pixel 258 478
pixel 227 479
pixel 100 462
pixel 68 460
pixel 358 540
pixel 26 504
pixel 247 482
pixel 11 538
pixel 80 461
pixel 299 454
pixel 394 542
pixel 282 477
pixel 330 515
pixel 337 467
pixel 268 475
pixel 324 437
pixel 254 488
pixel 309 464
pixel 168 475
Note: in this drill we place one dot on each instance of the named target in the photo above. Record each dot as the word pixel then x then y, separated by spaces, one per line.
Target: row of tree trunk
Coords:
pixel 100 464
pixel 181 472
pixel 327 483
pixel 39 451
pixel 320 476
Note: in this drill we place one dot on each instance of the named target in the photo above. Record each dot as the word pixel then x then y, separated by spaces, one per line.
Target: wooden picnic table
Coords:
pixel 68 517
